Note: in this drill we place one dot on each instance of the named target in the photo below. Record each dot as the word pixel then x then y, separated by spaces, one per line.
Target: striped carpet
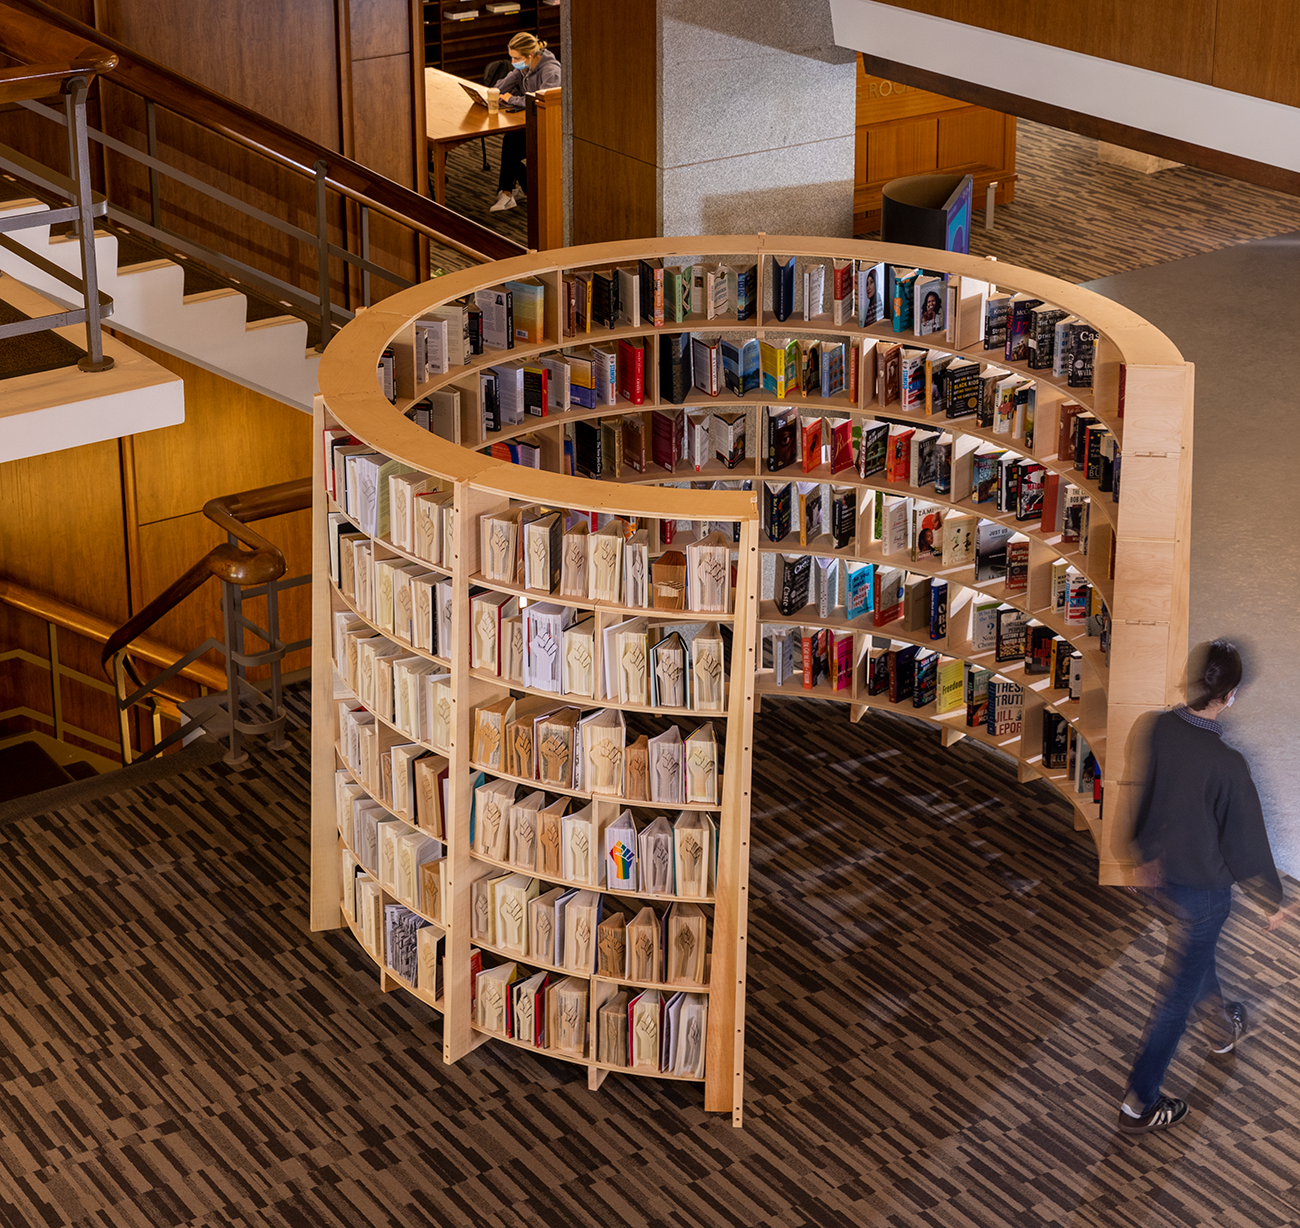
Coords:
pixel 1081 219
pixel 942 1006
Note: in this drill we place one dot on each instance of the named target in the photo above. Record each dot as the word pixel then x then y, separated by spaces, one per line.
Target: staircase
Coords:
pixel 210 329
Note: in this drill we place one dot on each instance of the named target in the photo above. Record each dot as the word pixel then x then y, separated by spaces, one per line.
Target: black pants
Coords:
pixel 514 148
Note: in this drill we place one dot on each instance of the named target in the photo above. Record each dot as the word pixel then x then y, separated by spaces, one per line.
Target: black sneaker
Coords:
pixel 1235 1013
pixel 1160 1116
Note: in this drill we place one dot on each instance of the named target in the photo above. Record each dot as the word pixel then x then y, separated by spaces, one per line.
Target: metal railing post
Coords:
pixel 319 169
pixel 365 255
pixel 123 720
pixel 56 681
pixel 151 137
pixel 277 693
pixel 79 150
pixel 230 601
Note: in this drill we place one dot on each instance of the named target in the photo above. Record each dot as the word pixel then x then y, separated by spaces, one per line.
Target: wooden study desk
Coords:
pixel 451 119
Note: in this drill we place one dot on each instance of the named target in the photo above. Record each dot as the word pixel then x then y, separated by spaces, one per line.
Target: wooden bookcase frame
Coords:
pixel 1147 530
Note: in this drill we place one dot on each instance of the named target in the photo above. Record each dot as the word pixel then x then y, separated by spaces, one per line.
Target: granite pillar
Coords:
pixel 750 125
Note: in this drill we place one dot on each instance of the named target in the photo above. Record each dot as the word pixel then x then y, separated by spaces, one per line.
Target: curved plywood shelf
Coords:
pixel 1141 392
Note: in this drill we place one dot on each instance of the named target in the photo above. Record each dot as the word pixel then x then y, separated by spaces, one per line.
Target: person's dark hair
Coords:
pixel 1213 673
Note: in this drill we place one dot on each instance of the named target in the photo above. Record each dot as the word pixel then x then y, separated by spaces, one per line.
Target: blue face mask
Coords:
pixel 519 64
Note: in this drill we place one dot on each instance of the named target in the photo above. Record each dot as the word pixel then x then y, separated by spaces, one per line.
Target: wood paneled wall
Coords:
pixel 901 131
pixel 75 525
pixel 1248 46
pixel 347 73
pixel 615 133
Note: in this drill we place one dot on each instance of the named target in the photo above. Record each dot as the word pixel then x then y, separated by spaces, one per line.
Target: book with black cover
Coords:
pixel 1011 628
pixel 782 287
pixel 790 586
pixel 782 437
pixel 901 664
pixel 962 389
pixel 746 291
pixel 604 297
pixel 1038 649
pixel 873 448
pixel 1056 740
pixel 925 683
pixel 844 515
pixel 588 449
pixel 675 367
pixel 991 550
pixel 777 504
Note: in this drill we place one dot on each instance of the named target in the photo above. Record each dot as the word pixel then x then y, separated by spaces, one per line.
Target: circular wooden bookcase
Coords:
pixel 438 642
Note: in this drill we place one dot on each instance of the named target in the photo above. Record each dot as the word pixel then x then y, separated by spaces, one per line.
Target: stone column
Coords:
pixel 712 117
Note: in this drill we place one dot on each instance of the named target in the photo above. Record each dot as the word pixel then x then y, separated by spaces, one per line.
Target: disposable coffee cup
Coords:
pixel 494 99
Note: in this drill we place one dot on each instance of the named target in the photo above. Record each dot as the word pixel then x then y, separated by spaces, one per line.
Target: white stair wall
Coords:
pixel 210 330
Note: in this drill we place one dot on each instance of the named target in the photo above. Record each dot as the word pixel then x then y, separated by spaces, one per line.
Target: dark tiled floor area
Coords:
pixel 942 1008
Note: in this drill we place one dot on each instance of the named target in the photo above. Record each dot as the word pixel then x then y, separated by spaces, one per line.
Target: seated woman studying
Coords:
pixel 532 68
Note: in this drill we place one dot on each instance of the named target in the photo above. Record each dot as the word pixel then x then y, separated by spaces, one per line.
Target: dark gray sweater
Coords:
pixel 515 83
pixel 1200 815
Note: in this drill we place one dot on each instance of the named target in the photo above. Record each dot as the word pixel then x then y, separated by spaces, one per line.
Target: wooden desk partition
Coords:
pixel 1141 392
pixel 902 131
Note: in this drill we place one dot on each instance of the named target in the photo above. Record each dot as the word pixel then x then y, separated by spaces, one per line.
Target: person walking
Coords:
pixel 1200 828
pixel 532 68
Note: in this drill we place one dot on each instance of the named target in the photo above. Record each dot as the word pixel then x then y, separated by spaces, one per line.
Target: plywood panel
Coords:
pixel 61 529
pixel 902 149
pixel 1169 36
pixel 611 77
pixel 971 137
pixel 379 27
pixel 1257 49
pixel 232 439
pixel 614 196
pixel 279 59
pixel 880 100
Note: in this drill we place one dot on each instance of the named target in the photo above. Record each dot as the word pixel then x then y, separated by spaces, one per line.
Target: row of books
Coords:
pixel 628 662
pixel 408 863
pixel 548 550
pixel 589 932
pixel 408 944
pixel 693 362
pixel 588 847
pixel 650 1030
pixel 590 753
pixel 843 658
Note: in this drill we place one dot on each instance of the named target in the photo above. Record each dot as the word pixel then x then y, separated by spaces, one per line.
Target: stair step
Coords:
pixel 26 768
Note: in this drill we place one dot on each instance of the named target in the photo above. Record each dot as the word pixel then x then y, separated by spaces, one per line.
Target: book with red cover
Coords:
pixel 1065 434
pixel 890 377
pixel 666 438
pixel 631 370
pixel 898 456
pixel 841 655
pixel 842 445
pixel 810 442
pixel 887 586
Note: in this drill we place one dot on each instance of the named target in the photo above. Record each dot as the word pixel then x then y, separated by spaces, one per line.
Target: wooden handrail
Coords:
pixel 33 31
pixel 34 81
pixel 229 564
pixel 92 627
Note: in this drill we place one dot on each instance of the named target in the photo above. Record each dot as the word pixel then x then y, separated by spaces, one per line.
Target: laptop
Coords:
pixel 476 95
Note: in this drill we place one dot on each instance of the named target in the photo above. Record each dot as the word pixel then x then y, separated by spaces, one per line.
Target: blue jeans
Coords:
pixel 1201 915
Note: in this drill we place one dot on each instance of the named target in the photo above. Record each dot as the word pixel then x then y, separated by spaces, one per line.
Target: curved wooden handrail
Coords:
pixel 228 563
pixel 92 627
pixel 33 81
pixel 32 30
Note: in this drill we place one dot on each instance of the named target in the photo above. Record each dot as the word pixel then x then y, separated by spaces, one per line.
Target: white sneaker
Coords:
pixel 504 201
